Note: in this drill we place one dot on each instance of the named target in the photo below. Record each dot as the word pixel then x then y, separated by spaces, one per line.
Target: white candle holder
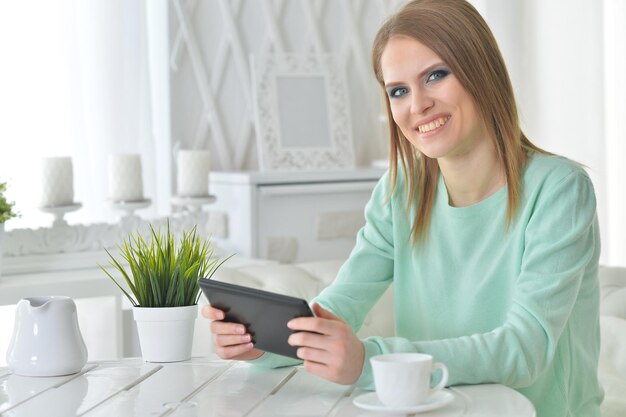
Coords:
pixel 128 208
pixel 60 211
pixel 193 204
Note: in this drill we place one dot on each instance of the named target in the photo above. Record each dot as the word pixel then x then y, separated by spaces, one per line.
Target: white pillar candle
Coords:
pixel 57 182
pixel 193 173
pixel 125 180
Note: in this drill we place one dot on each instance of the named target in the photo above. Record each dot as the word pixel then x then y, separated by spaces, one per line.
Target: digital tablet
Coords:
pixel 265 314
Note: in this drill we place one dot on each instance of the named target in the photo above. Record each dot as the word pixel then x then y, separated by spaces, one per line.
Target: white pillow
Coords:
pixel 612 368
pixel 613 291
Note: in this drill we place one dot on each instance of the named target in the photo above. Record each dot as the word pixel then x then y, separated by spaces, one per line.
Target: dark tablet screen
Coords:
pixel 265 314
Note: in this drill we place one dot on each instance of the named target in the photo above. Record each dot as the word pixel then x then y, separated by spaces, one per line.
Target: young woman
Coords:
pixel 492 243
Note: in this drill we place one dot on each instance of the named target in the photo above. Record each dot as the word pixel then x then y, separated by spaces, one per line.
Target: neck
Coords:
pixel 473 177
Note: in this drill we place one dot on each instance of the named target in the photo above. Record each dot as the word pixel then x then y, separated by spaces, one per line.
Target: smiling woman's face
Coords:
pixel 428 103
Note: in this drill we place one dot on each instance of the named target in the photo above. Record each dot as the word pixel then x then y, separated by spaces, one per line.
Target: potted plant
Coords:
pixel 6 213
pixel 162 284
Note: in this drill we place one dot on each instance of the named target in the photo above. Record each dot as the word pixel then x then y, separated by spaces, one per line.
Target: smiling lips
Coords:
pixel 427 127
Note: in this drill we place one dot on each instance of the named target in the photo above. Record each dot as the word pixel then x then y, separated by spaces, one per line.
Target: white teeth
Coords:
pixel 432 125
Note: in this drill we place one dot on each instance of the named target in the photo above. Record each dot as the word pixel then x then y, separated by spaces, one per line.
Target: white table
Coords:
pixel 212 387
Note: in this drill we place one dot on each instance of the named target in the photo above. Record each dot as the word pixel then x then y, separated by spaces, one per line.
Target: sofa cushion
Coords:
pixel 613 291
pixel 612 368
pixel 279 278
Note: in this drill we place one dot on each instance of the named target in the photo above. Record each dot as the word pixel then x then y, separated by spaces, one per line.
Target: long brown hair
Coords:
pixel 457 33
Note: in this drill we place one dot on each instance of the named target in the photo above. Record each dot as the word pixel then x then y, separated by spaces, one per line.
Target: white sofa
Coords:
pixel 613 347
pixel 306 280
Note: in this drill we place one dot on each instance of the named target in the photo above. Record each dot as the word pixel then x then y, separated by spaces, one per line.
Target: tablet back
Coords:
pixel 265 314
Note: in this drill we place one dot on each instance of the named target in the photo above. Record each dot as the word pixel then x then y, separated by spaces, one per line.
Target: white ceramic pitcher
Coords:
pixel 46 339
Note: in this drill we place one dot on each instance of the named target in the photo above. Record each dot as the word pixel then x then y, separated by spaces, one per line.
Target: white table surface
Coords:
pixel 212 387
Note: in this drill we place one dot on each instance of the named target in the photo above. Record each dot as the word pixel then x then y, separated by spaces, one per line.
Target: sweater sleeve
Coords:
pixel 368 272
pixel 561 241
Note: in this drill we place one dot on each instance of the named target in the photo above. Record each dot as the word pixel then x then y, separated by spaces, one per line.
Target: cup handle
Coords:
pixel 444 376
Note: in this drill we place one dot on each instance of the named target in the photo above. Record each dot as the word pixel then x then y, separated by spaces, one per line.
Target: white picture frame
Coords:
pixel 302 115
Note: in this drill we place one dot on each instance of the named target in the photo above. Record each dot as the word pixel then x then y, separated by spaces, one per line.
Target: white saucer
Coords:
pixel 371 402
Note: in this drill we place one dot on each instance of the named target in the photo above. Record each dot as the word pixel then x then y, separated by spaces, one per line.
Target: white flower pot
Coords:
pixel 165 333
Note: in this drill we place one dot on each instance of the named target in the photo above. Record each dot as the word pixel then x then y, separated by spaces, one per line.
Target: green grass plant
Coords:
pixel 6 208
pixel 162 273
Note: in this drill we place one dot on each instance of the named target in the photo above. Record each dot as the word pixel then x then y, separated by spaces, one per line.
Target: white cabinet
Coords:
pixel 292 216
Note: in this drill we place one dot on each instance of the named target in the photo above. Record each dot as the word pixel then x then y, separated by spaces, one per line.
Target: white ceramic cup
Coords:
pixel 403 379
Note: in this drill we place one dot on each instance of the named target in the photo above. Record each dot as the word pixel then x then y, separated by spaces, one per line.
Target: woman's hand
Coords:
pixel 231 340
pixel 328 346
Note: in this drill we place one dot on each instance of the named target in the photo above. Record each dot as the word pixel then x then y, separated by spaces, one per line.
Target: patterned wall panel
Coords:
pixel 211 44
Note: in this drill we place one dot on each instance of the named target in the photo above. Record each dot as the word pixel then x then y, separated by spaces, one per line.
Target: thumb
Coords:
pixel 323 313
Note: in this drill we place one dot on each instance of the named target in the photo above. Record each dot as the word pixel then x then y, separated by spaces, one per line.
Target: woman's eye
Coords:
pixel 397 92
pixel 437 75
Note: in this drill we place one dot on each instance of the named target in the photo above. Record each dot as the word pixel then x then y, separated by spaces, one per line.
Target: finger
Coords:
pixel 318 369
pixel 323 322
pixel 320 312
pixel 232 340
pixel 230 352
pixel 316 325
pixel 313 355
pixel 309 339
pixel 307 324
pixel 212 313
pixel 223 327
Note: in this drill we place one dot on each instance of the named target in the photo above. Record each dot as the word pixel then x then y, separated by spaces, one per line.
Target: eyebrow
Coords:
pixel 420 75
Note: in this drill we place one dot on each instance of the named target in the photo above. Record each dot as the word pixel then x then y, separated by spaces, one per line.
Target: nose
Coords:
pixel 420 102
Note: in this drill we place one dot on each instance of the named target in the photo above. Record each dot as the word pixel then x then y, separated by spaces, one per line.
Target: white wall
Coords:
pixel 553 49
pixel 227 33
pixel 614 238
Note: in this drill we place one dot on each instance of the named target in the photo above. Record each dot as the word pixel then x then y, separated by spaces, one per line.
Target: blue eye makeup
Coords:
pixel 430 77
pixel 437 75
pixel 397 92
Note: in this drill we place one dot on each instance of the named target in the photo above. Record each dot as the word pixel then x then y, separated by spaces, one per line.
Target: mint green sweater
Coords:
pixel 517 307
